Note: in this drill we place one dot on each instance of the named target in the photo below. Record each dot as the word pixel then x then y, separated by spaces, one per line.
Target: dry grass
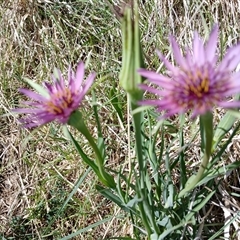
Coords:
pixel 39 169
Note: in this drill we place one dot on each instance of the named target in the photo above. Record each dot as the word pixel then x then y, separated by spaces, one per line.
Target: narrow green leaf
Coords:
pixel 103 176
pixel 115 103
pixel 188 217
pixel 77 122
pixel 140 109
pixel 121 193
pixel 133 202
pixel 85 158
pixel 154 236
pixel 218 172
pixel 89 227
pixel 56 73
pixel 223 127
pixel 218 233
pixel 170 230
pixel 100 140
pixel 109 195
pixel 75 188
pixel 224 146
pixel 203 202
pixel 183 175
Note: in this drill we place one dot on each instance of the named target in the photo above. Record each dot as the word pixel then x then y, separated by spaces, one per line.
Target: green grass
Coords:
pixel 39 169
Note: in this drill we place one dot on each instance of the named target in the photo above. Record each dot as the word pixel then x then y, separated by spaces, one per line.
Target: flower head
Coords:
pixel 198 82
pixel 59 100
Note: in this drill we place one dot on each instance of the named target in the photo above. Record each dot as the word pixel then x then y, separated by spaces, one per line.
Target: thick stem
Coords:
pixel 137 120
pixel 207 137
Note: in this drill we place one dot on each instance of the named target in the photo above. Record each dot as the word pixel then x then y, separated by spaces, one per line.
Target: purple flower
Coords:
pixel 59 100
pixel 198 82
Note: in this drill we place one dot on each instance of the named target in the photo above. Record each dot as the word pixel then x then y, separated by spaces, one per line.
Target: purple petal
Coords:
pixel 233 86
pixel 189 58
pixel 169 66
pixel 200 110
pixel 231 59
pixel 59 81
pixel 169 114
pixel 211 46
pixel 29 123
pixel 32 94
pixel 31 104
pixel 177 54
pixel 163 85
pixel 70 72
pixel 153 76
pixel 232 104
pixel 89 82
pixel 150 89
pixel 151 102
pixel 54 79
pixel 234 80
pixel 168 103
pixel 79 75
pixel 71 79
pixel 198 50
pixel 68 111
pixel 27 110
pixel 175 110
pixel 49 86
pixel 165 88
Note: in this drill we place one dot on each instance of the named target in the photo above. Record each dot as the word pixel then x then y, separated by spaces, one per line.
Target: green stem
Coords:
pixel 137 120
pixel 77 122
pixel 144 205
pixel 206 121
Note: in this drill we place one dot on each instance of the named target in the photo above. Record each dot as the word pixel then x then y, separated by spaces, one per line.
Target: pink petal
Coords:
pixel 32 94
pixel 27 110
pixel 232 104
pixel 169 66
pixel 153 76
pixel 89 82
pixel 79 75
pixel 177 54
pixel 211 46
pixel 231 59
pixel 151 102
pixel 150 89
pixel 198 50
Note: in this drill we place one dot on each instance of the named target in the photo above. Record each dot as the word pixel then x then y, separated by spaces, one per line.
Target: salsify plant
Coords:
pixel 59 102
pixel 159 206
pixel 197 85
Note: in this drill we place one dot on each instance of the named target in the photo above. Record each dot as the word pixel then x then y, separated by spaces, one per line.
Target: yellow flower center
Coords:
pixel 59 101
pixel 196 84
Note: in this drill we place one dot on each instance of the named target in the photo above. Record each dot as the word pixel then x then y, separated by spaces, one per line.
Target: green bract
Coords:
pixel 132 58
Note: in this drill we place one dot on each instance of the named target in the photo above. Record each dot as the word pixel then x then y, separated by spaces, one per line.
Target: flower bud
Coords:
pixel 132 58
